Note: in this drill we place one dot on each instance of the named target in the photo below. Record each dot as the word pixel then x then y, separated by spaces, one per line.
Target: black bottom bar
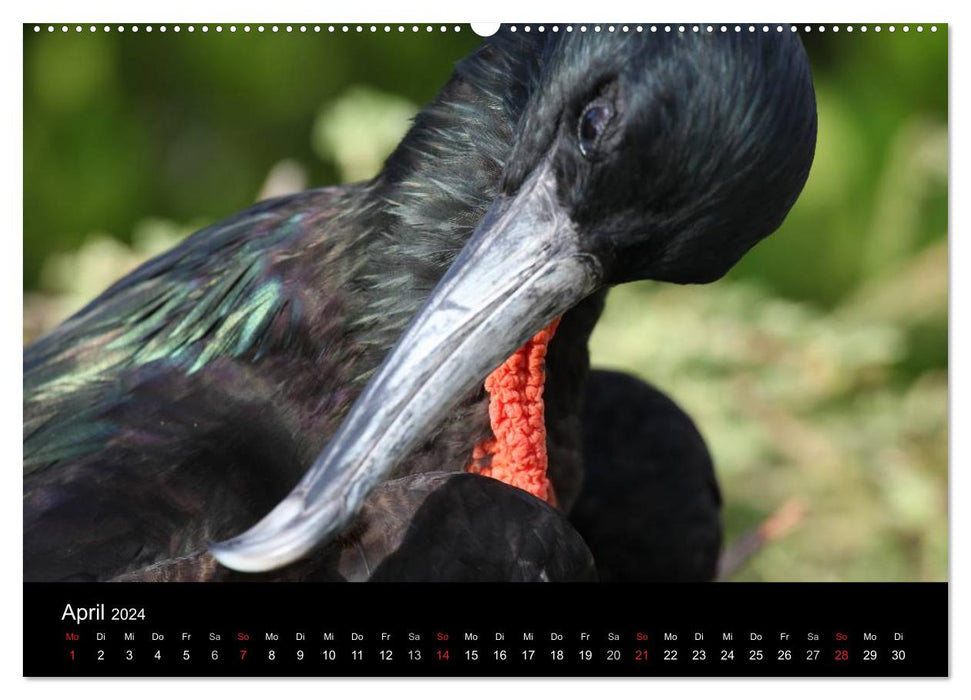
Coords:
pixel 255 629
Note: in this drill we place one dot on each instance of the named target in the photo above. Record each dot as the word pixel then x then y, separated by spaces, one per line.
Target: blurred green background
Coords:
pixel 817 369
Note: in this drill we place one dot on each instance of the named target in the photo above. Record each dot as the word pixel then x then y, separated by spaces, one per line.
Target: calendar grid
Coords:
pixel 477 629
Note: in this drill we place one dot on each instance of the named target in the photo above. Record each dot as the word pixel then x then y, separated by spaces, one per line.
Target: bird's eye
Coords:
pixel 593 121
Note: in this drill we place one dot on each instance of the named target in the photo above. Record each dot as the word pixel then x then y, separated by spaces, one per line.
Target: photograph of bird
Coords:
pixel 390 380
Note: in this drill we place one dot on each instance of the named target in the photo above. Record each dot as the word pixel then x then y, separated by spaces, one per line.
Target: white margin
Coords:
pixel 439 11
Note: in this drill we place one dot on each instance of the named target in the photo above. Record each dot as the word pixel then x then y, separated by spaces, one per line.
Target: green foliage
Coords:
pixel 119 127
pixel 800 405
pixel 817 370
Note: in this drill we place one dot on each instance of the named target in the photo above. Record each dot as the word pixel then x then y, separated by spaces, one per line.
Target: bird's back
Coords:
pixel 150 400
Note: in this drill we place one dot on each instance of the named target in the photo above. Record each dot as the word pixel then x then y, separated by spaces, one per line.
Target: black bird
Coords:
pixel 332 344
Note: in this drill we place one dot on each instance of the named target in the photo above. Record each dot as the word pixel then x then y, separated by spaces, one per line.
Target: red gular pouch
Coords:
pixel 516 454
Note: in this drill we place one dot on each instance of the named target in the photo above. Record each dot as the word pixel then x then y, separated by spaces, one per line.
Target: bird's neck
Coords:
pixel 458 145
pixel 420 212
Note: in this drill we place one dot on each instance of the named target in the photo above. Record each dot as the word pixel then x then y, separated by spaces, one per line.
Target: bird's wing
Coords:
pixel 434 526
pixel 650 509
pixel 222 292
pixel 448 526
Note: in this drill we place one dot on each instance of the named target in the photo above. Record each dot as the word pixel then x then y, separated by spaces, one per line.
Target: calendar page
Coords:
pixel 466 350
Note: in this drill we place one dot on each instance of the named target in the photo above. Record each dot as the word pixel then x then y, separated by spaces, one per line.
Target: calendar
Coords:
pixel 537 350
pixel 511 630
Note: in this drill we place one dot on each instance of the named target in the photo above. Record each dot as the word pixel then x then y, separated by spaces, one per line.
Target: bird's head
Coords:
pixel 670 154
pixel 635 156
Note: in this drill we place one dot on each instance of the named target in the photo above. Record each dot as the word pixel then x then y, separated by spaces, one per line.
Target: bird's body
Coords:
pixel 135 416
pixel 190 397
pixel 273 320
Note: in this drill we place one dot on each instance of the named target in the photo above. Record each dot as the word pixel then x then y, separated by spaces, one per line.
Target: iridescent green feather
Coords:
pixel 215 295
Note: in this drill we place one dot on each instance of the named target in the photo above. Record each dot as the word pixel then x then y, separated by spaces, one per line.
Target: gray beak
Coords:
pixel 522 267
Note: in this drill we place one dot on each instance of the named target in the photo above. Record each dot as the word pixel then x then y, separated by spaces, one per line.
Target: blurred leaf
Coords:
pixel 360 129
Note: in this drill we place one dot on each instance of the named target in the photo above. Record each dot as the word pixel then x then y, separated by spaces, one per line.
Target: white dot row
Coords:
pixel 246 28
pixel 513 28
pixel 709 28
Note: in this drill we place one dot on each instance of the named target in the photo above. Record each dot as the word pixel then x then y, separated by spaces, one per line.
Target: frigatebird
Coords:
pixel 321 356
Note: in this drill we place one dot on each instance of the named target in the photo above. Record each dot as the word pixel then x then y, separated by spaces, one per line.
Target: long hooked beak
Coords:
pixel 521 268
